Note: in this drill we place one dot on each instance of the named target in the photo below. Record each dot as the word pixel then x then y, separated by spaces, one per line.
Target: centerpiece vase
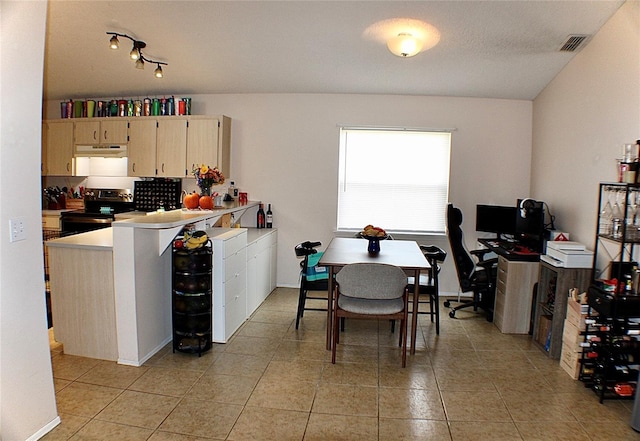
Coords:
pixel 374 246
pixel 205 191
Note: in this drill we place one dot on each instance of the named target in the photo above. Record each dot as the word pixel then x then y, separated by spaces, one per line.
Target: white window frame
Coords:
pixel 394 178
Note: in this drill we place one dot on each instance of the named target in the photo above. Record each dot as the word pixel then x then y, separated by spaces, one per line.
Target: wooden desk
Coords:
pixel 403 253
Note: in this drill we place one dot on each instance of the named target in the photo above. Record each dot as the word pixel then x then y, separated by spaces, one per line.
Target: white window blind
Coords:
pixel 395 179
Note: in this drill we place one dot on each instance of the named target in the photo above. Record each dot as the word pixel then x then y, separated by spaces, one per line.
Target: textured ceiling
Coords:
pixel 493 49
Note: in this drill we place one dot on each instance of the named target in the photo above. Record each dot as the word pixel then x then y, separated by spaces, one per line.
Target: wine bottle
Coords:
pixel 261 217
pixel 269 217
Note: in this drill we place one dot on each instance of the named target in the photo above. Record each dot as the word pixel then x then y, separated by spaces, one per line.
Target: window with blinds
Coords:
pixel 396 179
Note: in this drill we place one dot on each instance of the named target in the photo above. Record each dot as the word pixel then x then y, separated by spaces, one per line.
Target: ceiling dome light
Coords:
pixel 404 37
pixel 404 45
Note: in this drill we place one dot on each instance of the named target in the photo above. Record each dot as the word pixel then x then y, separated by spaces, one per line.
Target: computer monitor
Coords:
pixel 497 219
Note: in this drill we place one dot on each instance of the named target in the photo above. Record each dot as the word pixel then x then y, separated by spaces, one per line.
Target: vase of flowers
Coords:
pixel 206 177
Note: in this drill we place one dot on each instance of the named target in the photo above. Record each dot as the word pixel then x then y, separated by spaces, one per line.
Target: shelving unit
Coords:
pixel 551 304
pixel 611 356
pixel 191 299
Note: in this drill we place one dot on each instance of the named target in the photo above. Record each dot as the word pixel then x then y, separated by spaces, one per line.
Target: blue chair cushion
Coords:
pixel 315 272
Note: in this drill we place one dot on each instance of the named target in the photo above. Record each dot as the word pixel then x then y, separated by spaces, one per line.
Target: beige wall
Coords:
pixel 581 120
pixel 285 152
pixel 27 401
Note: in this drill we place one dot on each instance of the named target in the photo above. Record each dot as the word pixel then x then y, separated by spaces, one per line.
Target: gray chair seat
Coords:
pixel 369 306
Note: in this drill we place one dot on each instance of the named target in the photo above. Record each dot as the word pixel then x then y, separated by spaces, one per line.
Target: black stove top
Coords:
pixel 105 203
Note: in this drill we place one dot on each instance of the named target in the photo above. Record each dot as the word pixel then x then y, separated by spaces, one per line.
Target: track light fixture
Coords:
pixel 136 52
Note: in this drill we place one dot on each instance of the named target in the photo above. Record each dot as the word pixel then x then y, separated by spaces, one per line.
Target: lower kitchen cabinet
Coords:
pixel 261 266
pixel 229 281
pixel 82 296
pixel 244 274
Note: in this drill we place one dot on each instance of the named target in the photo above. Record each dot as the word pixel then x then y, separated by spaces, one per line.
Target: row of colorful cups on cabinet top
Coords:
pixel 145 107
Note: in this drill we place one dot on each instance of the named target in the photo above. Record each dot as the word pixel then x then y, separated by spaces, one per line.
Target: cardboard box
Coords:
pixel 576 314
pixel 544 326
pixel 571 336
pixel 579 308
pixel 570 362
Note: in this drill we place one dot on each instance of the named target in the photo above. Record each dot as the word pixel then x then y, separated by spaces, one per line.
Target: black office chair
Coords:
pixel 310 280
pixel 429 287
pixel 474 275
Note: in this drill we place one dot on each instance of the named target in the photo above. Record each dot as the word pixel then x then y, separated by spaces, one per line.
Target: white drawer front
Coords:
pixel 235 244
pixel 235 264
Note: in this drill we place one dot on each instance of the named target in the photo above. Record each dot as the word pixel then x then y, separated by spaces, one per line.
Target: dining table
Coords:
pixel 405 254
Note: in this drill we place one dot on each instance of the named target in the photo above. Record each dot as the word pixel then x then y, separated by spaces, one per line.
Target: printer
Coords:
pixel 567 254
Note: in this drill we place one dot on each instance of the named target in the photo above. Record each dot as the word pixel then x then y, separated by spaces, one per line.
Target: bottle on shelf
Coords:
pixel 261 221
pixel 269 218
pixel 231 191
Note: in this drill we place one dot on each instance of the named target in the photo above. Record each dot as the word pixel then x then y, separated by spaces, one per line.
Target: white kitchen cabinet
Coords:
pixel 229 281
pixel 58 147
pixel 261 266
pixel 141 152
pixel 94 131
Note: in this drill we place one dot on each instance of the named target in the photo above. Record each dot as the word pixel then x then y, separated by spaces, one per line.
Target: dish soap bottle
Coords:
pixel 260 217
pixel 269 217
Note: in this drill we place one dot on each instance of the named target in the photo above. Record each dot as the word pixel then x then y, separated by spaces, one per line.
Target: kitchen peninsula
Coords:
pixel 130 314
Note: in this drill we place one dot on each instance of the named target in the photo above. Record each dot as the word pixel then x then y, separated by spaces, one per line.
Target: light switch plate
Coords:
pixel 17 229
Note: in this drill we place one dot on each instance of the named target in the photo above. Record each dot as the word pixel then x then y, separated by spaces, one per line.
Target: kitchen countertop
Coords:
pixel 176 218
pixel 101 240
pixel 46 212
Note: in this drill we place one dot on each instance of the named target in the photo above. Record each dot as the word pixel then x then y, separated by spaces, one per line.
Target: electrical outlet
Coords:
pixel 17 229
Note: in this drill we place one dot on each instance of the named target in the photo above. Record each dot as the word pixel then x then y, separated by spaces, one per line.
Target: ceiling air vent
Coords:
pixel 573 43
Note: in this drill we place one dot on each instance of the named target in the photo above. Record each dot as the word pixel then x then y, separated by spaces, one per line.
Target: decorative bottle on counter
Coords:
pixel 269 217
pixel 232 191
pixel 261 217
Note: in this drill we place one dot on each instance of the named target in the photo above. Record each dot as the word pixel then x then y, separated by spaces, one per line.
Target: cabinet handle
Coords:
pixel 105 135
pixel 68 166
pixel 133 167
pixel 162 167
pixel 95 135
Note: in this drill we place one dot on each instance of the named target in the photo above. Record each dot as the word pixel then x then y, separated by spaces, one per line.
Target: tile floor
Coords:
pixel 271 382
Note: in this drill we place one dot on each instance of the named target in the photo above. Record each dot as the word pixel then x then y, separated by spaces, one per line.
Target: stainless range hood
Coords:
pixel 105 151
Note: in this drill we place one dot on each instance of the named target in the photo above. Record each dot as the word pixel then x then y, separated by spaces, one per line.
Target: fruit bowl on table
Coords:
pixel 364 236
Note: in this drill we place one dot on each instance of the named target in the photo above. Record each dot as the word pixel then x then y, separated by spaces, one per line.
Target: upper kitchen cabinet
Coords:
pixel 111 131
pixel 58 148
pixel 142 147
pixel 171 148
pixel 208 142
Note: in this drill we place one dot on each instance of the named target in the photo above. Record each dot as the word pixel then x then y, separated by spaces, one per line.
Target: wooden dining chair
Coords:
pixel 429 287
pixel 370 291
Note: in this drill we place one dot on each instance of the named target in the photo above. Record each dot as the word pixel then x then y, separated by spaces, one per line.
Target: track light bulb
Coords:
pixel 114 43
pixel 135 53
pixel 158 72
pixel 139 63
